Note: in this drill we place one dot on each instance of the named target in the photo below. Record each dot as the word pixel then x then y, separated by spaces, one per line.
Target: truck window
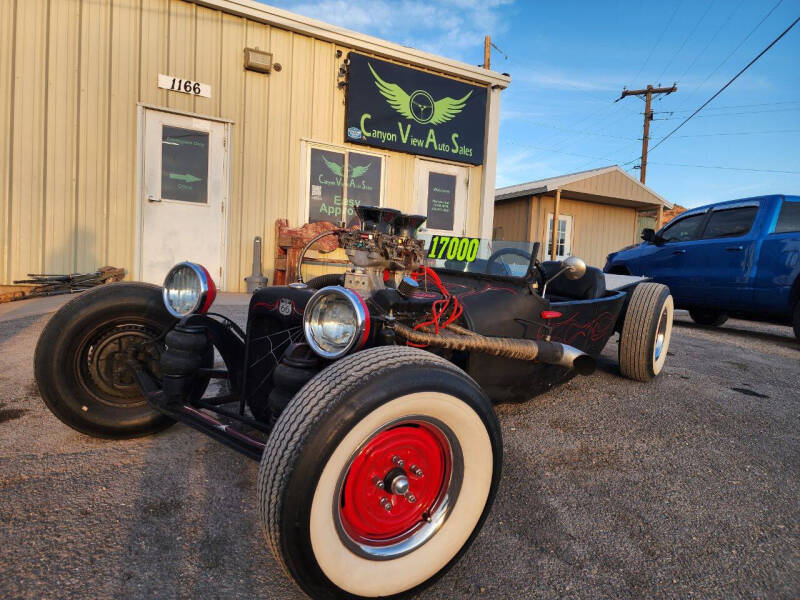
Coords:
pixel 789 219
pixel 683 230
pixel 731 222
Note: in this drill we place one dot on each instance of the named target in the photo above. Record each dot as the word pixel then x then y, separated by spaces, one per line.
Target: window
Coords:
pixel 789 218
pixel 184 164
pixel 731 222
pixel 563 239
pixel 683 230
pixel 326 185
pixel 441 201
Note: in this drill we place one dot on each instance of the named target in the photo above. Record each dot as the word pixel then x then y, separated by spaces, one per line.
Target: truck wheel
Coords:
pixel 713 318
pixel 796 320
pixel 79 361
pixel 646 332
pixel 379 474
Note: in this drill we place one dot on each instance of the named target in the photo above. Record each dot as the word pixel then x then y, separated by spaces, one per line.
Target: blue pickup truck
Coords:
pixel 740 258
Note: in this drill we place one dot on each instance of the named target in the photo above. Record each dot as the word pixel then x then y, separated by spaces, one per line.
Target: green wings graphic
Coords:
pixel 443 110
pixel 337 169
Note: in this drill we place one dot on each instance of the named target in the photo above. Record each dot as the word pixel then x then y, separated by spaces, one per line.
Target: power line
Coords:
pixel 739 133
pixel 726 168
pixel 731 106
pixel 732 52
pixel 747 112
pixel 686 39
pixel 724 87
pixel 658 41
pixel 710 41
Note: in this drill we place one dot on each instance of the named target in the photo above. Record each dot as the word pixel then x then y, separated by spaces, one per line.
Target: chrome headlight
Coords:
pixel 335 321
pixel 188 288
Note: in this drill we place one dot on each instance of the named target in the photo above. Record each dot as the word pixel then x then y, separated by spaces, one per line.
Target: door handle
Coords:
pixel 152 198
pixel 734 248
pixel 682 251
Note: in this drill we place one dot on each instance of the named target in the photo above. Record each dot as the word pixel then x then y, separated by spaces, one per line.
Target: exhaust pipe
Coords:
pixel 553 353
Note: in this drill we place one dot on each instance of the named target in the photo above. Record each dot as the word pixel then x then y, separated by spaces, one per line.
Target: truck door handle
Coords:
pixel 734 248
pixel 683 251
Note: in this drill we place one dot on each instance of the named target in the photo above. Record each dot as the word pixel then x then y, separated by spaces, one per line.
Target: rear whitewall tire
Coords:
pixel 646 332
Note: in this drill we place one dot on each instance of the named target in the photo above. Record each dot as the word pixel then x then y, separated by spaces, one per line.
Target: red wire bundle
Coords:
pixel 439 308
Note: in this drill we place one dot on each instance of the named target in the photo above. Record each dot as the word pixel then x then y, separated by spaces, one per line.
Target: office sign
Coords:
pixel 396 107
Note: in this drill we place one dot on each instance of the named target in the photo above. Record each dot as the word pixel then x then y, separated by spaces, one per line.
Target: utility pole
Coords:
pixel 648 116
pixel 487 52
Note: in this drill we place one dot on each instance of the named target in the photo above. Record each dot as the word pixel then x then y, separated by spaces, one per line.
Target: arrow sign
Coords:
pixel 188 178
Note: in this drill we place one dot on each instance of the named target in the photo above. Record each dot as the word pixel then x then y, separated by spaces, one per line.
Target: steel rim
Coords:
pixel 661 333
pixel 100 362
pixel 397 490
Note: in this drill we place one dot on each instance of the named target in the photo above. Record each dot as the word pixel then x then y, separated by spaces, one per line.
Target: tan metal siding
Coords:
pixel 513 217
pixel 75 71
pixel 26 180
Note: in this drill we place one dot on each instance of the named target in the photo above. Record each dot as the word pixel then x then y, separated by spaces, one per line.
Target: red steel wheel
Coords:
pixel 395 489
pixel 379 474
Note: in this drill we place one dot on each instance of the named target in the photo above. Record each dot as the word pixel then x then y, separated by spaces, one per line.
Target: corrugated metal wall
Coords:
pixel 71 75
pixel 597 229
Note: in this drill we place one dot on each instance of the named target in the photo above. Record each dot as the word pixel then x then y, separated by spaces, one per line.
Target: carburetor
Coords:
pixel 386 243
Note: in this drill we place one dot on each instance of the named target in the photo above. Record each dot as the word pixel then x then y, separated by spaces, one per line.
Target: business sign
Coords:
pixel 327 181
pixel 395 107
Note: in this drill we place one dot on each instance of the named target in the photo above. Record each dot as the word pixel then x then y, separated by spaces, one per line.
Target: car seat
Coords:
pixel 590 286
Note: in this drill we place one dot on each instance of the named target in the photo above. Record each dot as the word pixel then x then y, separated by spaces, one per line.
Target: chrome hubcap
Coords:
pixel 661 332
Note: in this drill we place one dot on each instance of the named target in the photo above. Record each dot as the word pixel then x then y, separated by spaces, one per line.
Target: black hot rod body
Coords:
pixel 366 395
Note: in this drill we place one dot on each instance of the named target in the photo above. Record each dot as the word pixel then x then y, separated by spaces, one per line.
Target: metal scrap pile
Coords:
pixel 52 285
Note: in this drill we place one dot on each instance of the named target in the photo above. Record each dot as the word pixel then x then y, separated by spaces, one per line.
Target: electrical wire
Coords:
pixel 686 39
pixel 725 168
pixel 658 41
pixel 710 41
pixel 732 52
pixel 723 88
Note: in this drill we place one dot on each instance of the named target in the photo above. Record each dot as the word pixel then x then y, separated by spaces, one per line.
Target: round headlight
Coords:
pixel 188 288
pixel 335 321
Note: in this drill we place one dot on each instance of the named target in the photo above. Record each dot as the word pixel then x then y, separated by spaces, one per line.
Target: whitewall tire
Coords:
pixel 379 474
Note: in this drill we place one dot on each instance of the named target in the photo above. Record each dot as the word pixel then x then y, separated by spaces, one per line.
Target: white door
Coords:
pixel 185 189
pixel 564 239
pixel 441 195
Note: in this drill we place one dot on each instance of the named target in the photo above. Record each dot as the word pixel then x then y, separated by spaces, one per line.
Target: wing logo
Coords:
pixel 419 105
pixel 336 169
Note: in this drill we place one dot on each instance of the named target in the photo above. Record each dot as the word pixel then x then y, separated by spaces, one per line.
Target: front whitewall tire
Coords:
pixel 373 578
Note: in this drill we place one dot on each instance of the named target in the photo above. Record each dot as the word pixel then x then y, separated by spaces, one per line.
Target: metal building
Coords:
pixel 596 212
pixel 138 133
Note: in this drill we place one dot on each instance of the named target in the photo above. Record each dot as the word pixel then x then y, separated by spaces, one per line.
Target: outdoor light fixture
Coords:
pixel 257 60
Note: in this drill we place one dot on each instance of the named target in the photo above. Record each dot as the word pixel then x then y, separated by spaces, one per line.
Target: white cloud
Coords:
pixel 452 28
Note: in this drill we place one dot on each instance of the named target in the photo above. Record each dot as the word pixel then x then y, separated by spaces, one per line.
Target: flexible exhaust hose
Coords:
pixel 464 339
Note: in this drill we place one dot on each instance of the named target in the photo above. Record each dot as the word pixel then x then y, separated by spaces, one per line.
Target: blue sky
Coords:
pixel 569 61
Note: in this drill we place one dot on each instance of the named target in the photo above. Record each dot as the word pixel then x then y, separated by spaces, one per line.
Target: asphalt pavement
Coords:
pixel 685 487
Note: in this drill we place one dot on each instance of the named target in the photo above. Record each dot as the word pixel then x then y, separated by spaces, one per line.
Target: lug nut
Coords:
pixel 386 504
pixel 416 470
pixel 411 498
pixel 378 482
pixel 398 461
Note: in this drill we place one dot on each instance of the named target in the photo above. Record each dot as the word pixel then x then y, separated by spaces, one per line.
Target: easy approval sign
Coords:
pixel 396 107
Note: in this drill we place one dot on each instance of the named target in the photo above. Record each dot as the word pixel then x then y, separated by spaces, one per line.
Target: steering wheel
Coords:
pixel 535 276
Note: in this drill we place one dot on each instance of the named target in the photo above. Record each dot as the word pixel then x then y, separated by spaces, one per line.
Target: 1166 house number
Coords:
pixel 186 86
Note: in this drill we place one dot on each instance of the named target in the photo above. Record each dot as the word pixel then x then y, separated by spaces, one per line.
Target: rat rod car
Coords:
pixel 366 396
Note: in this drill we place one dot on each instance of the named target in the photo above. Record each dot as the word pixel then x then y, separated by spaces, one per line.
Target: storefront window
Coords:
pixel 326 184
pixel 184 164
pixel 441 201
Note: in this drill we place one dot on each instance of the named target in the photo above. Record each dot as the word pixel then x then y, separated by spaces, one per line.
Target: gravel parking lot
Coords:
pixel 685 487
